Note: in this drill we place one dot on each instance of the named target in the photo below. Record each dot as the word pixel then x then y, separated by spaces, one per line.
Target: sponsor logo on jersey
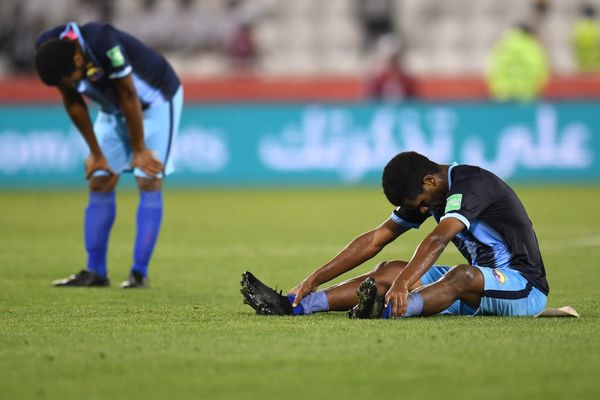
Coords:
pixel 116 56
pixel 453 203
pixel 500 277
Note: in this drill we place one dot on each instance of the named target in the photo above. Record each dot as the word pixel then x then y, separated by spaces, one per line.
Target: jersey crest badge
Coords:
pixel 93 73
pixel 500 277
pixel 453 203
pixel 116 56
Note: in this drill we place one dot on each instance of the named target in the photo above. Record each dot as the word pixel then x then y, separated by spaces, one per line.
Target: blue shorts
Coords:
pixel 506 293
pixel 161 124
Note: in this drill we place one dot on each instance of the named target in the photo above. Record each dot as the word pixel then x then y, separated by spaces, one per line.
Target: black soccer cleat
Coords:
pixel 135 281
pixel 370 305
pixel 84 278
pixel 262 298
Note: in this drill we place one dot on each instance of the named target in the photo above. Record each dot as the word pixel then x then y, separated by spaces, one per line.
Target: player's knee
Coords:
pixel 381 267
pixel 385 272
pixel 147 185
pixel 103 184
pixel 462 276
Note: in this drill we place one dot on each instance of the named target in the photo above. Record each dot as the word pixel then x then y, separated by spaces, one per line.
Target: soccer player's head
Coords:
pixel 58 63
pixel 405 177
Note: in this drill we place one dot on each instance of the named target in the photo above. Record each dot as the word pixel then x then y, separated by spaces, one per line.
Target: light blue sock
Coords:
pixel 99 217
pixel 149 217
pixel 414 308
pixel 315 302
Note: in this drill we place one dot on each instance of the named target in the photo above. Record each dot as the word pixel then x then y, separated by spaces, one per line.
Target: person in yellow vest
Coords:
pixel 585 41
pixel 518 67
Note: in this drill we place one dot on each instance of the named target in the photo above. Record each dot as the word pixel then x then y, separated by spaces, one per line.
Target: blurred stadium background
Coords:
pixel 305 37
pixel 324 92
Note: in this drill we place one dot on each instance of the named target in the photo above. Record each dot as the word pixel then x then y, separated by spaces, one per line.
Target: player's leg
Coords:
pixel 148 223
pixel 370 297
pixel 99 218
pixel 161 124
pixel 501 292
pixel 463 282
pixel 508 293
pixel 101 209
pixel 342 296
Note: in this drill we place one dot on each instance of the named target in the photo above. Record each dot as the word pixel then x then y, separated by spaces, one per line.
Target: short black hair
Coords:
pixel 54 60
pixel 403 175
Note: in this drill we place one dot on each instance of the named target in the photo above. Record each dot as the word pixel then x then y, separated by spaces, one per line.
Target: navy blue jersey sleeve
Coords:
pixel 109 50
pixel 408 218
pixel 468 197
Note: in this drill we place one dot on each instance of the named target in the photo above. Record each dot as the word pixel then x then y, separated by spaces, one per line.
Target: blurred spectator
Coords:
pixel 194 30
pixel 541 25
pixel 94 10
pixel 389 81
pixel 153 24
pixel 585 40
pixel 518 68
pixel 376 18
pixel 239 42
pixel 540 10
pixel 20 27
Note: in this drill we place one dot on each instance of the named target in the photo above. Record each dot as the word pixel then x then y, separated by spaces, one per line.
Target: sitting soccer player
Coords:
pixel 140 99
pixel 504 274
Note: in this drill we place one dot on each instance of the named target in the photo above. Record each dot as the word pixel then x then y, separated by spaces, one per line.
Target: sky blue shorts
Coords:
pixel 506 293
pixel 161 124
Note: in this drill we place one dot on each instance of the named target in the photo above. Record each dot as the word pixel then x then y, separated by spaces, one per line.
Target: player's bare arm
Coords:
pixel 359 250
pixel 132 110
pixel 78 112
pixel 427 253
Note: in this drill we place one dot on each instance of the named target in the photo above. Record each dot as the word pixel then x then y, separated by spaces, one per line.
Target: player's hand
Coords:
pixel 147 162
pixel 397 298
pixel 305 287
pixel 95 163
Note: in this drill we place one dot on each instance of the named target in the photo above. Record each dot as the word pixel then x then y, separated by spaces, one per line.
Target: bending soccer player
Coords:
pixel 478 212
pixel 140 99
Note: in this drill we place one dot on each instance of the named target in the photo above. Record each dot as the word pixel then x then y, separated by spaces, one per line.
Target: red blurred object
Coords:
pixel 391 83
pixel 28 90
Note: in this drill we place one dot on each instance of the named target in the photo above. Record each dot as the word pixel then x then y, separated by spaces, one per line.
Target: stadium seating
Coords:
pixel 324 37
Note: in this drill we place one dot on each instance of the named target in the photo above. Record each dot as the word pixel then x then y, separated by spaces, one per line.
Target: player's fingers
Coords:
pixel 401 307
pixel 157 163
pixel 297 299
pixel 152 170
pixel 157 167
pixel 394 308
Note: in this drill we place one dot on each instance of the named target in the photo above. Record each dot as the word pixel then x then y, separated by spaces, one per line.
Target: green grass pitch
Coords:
pixel 190 336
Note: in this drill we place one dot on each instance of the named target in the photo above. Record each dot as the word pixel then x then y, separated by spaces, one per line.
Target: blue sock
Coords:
pixel 414 308
pixel 149 217
pixel 99 218
pixel 299 310
pixel 314 302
